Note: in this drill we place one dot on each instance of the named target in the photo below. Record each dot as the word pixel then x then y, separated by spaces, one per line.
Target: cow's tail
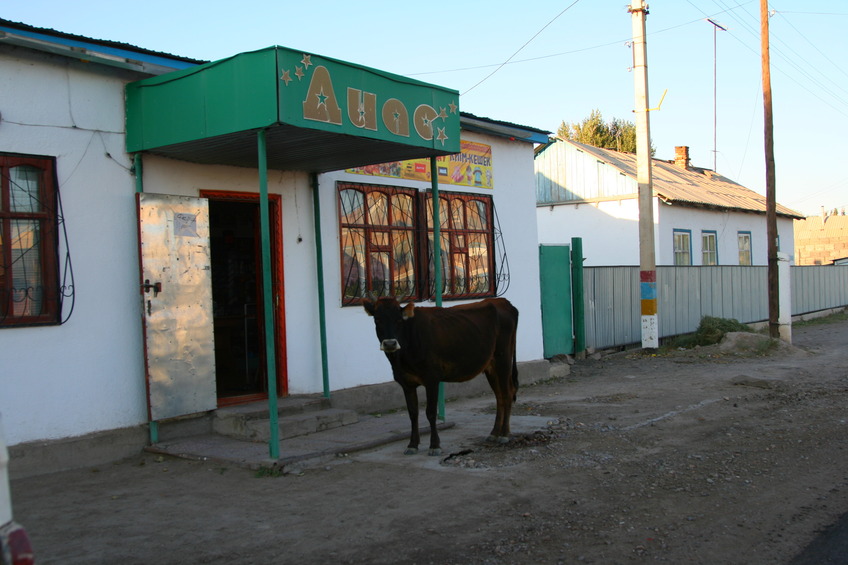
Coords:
pixel 515 360
pixel 514 376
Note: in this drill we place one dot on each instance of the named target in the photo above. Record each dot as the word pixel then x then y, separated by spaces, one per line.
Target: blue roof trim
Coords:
pixel 106 47
pixel 470 122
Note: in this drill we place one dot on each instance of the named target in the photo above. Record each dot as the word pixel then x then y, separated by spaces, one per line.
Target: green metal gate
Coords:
pixel 557 319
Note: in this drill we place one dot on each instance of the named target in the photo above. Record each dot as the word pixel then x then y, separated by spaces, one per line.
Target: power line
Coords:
pixel 520 48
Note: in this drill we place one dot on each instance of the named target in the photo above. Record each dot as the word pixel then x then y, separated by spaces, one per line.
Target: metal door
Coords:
pixel 176 291
pixel 557 323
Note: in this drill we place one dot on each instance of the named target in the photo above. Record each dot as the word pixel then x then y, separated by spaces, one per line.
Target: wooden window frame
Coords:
pixel 456 234
pixel 16 304
pixel 417 235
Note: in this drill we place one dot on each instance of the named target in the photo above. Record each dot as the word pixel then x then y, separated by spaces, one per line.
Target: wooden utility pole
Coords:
pixel 647 254
pixel 771 201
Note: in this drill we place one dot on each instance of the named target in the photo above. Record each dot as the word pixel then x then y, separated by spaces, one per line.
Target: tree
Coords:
pixel 618 134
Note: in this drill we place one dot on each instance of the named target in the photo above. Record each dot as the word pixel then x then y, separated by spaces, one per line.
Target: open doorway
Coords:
pixel 237 296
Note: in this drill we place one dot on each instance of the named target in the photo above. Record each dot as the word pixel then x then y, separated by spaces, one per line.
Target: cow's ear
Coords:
pixel 368 305
pixel 408 311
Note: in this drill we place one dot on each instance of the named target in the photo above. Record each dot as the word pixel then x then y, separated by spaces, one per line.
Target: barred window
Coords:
pixel 29 278
pixel 387 244
pixel 466 239
pixel 377 241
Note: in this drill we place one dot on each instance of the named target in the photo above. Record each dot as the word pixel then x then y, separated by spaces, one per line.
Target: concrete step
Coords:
pixel 296 419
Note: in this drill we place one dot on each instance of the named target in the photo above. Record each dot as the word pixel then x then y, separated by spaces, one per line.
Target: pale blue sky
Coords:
pixel 579 62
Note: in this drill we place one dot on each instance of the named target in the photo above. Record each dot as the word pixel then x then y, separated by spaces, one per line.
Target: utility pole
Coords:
pixel 647 259
pixel 716 27
pixel 771 201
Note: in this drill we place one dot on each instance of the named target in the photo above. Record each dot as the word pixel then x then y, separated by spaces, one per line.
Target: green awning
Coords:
pixel 320 114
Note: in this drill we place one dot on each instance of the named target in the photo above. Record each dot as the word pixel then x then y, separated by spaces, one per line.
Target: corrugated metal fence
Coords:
pixel 686 294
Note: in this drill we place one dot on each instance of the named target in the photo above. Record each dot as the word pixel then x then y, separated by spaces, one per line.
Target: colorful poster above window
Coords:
pixel 471 167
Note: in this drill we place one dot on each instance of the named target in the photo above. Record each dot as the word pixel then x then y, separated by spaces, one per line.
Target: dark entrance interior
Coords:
pixel 236 287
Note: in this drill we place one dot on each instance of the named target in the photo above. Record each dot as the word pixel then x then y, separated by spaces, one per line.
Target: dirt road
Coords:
pixel 708 456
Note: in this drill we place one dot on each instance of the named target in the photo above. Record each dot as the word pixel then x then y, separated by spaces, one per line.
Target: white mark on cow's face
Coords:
pixel 389 345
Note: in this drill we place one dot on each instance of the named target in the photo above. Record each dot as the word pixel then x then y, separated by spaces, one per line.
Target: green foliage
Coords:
pixel 710 331
pixel 619 135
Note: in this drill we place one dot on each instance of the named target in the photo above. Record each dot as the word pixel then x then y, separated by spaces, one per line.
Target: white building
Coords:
pixel 76 362
pixel 700 217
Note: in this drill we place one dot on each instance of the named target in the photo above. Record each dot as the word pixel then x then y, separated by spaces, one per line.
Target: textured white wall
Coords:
pixel 355 358
pixel 726 225
pixel 85 375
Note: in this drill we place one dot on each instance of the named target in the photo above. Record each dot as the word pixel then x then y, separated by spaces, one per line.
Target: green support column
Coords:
pixel 577 296
pixel 268 299
pixel 437 261
pixel 322 306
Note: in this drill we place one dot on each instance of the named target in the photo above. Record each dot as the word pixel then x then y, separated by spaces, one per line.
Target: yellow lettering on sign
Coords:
pixel 320 104
pixel 423 120
pixel 362 108
pixel 396 117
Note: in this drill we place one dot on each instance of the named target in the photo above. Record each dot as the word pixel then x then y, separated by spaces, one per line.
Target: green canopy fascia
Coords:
pixel 320 114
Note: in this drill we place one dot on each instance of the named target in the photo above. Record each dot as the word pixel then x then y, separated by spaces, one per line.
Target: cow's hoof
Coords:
pixel 492 439
pixel 411 451
pixel 435 451
pixel 503 439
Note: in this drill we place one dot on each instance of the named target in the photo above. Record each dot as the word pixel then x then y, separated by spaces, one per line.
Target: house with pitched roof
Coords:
pixel 700 216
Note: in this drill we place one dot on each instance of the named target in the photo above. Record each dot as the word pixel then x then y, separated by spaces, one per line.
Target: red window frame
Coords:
pixel 386 249
pixel 29 258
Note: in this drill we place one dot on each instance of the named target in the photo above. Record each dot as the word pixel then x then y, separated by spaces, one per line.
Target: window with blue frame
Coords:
pixel 744 239
pixel 682 247
pixel 709 247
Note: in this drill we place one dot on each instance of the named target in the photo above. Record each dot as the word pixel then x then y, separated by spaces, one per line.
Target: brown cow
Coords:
pixel 426 346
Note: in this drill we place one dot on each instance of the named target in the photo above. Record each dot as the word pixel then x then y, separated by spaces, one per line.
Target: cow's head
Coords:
pixel 389 317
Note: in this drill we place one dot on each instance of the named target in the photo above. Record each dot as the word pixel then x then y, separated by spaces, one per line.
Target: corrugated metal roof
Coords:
pixel 835 226
pixel 694 186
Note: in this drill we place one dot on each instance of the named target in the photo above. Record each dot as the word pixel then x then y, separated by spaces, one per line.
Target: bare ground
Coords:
pixel 717 455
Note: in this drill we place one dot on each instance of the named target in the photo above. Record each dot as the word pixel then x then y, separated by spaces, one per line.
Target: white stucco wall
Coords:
pixel 85 375
pixel 354 355
pixel 610 231
pixel 726 225
pixel 303 359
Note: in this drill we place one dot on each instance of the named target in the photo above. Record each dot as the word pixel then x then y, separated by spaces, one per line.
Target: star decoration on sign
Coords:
pixel 299 73
pixel 307 60
pixel 442 135
pixel 286 78
pixel 322 98
pixel 453 107
pixel 442 113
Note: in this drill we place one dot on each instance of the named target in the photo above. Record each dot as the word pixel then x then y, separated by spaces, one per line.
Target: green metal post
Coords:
pixel 577 296
pixel 437 261
pixel 268 300
pixel 152 426
pixel 322 307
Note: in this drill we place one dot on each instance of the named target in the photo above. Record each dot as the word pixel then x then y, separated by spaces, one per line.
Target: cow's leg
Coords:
pixel 500 379
pixel 411 395
pixel 497 388
pixel 432 406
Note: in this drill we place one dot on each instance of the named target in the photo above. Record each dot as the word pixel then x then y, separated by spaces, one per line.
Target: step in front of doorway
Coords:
pixel 252 428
